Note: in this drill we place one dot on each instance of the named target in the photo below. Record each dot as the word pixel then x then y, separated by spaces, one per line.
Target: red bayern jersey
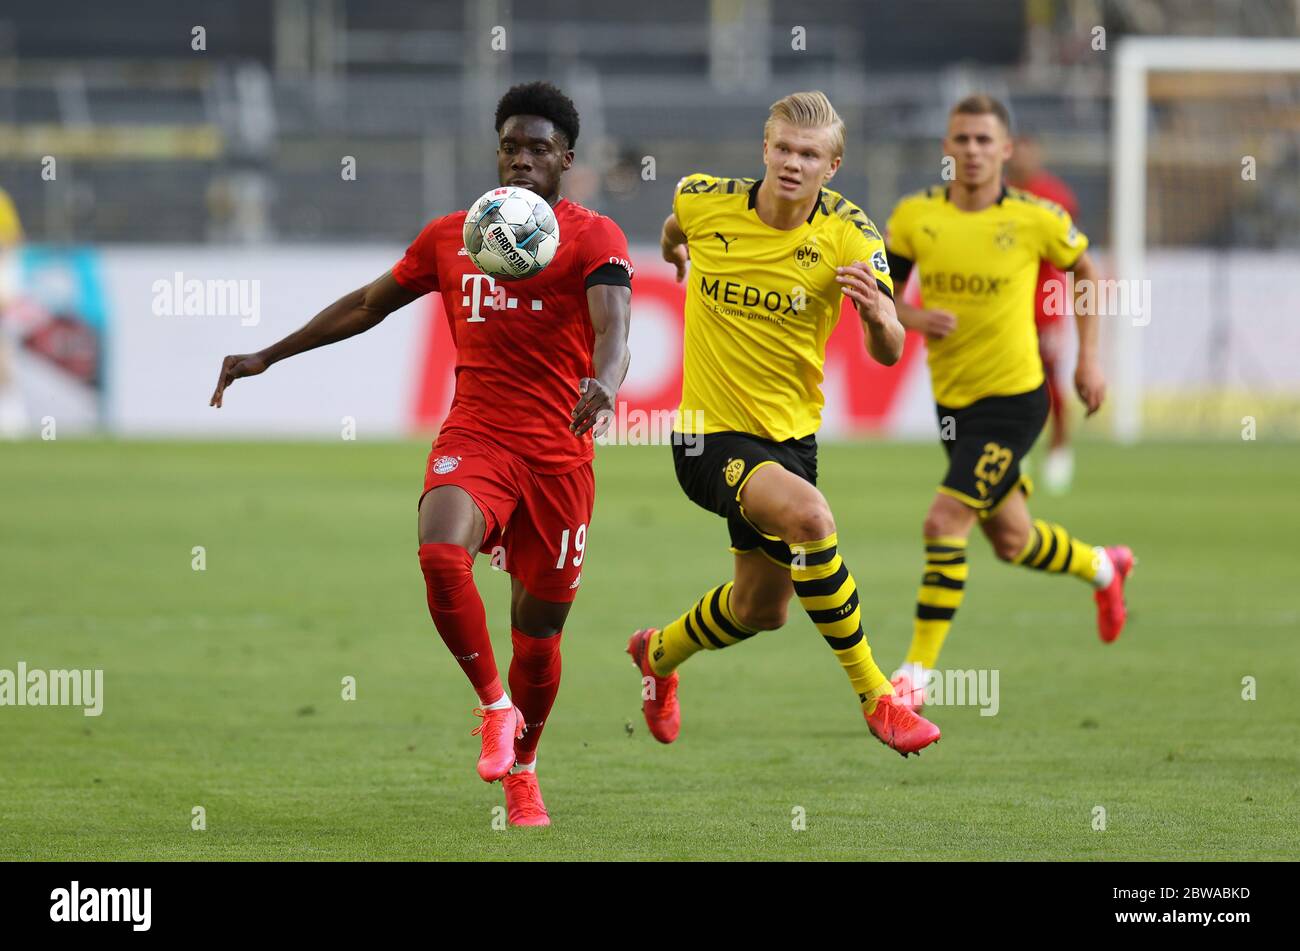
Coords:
pixel 1046 185
pixel 521 346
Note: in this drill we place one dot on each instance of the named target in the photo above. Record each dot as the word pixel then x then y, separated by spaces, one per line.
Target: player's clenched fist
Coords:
pixel 677 255
pixel 859 286
pixel 672 244
pixel 937 324
pixel 596 399
pixel 232 368
pixel 1090 384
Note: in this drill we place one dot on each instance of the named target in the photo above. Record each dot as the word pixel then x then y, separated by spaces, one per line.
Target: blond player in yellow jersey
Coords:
pixel 770 261
pixel 977 246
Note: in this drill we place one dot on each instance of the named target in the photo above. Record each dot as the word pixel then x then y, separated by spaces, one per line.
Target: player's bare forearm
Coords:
pixel 610 306
pixel 672 243
pixel 1089 379
pixel 1085 276
pixel 353 313
pixel 611 316
pixel 884 334
pixel 913 318
pixel 672 234
pixel 935 324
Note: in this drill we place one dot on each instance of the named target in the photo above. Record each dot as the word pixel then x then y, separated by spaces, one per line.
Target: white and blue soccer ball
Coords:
pixel 511 233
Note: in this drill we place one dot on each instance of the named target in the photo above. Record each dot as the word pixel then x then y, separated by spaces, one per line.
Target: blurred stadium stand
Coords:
pixel 243 142
pixel 227 161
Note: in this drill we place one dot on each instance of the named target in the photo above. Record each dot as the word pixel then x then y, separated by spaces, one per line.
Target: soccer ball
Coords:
pixel 511 233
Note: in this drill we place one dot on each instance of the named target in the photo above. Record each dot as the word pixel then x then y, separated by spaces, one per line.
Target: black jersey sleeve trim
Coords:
pixel 899 267
pixel 884 289
pixel 609 274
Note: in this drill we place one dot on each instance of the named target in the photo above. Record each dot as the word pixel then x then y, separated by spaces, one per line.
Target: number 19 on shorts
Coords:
pixel 579 544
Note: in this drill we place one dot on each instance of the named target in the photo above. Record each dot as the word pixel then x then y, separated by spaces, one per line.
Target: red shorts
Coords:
pixel 536 524
pixel 1046 321
pixel 1051 332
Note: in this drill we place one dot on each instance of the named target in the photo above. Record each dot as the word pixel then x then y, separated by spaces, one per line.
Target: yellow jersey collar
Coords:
pixel 948 198
pixel 819 206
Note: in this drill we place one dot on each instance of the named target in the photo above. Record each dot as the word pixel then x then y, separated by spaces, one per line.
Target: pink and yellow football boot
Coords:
pixel 1112 612
pixel 899 728
pixel 663 715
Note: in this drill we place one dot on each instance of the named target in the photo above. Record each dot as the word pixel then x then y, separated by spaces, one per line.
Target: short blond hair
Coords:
pixel 808 110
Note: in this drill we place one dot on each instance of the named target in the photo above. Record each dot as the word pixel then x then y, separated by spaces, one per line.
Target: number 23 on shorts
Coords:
pixel 991 467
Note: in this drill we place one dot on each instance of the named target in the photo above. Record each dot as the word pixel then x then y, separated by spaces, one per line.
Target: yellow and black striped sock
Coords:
pixel 709 625
pixel 830 596
pixel 942 587
pixel 1052 548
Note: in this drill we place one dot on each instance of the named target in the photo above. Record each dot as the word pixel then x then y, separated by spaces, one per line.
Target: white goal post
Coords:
pixel 1136 59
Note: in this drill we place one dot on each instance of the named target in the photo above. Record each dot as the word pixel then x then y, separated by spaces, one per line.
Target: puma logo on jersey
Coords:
pixel 726 242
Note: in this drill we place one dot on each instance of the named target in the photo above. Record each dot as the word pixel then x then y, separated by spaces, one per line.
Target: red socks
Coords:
pixel 534 682
pixel 457 612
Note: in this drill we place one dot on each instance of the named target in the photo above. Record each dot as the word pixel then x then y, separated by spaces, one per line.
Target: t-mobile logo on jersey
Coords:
pixel 486 292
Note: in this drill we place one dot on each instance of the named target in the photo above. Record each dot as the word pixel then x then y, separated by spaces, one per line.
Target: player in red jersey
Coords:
pixel 510 472
pixel 1025 170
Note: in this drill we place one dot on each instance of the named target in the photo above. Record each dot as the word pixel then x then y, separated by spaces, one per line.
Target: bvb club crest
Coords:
pixel 1006 235
pixel 807 256
pixel 733 470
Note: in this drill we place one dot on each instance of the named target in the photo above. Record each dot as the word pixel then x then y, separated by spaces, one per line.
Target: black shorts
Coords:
pixel 985 443
pixel 713 468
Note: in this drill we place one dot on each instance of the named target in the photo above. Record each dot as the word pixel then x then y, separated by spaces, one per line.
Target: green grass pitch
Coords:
pixel 223 686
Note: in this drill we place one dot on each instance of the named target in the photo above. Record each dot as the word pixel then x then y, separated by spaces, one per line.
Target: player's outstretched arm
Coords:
pixel 879 318
pixel 1089 379
pixel 673 244
pixel 935 324
pixel 611 315
pixel 348 316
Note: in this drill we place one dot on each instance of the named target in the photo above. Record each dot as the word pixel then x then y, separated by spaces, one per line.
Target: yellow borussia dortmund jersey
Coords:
pixel 760 305
pixel 983 267
pixel 11 231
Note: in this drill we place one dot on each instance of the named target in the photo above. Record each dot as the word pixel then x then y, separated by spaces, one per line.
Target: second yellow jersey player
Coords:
pixel 977 245
pixel 983 265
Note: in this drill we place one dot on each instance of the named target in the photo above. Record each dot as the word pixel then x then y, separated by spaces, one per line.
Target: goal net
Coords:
pixel 1205 212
